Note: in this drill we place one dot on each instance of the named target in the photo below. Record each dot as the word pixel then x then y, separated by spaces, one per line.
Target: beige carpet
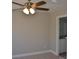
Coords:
pixel 41 56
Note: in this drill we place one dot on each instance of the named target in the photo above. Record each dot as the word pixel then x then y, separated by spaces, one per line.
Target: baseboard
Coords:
pixel 29 54
pixel 54 52
pixel 35 53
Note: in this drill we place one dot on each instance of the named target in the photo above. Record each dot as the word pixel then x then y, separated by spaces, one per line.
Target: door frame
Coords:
pixel 57 32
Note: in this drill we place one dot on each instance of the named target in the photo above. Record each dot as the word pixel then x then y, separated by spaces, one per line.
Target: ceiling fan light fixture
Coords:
pixel 32 11
pixel 30 7
pixel 26 11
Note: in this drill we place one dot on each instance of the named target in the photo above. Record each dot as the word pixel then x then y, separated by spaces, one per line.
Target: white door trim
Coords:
pixel 57 32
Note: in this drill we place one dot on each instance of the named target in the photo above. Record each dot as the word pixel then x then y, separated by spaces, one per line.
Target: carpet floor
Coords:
pixel 41 56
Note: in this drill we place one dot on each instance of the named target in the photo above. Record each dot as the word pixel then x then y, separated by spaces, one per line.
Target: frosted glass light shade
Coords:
pixel 32 11
pixel 26 11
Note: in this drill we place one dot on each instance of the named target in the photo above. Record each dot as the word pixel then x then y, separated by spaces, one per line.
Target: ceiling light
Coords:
pixel 26 11
pixel 32 11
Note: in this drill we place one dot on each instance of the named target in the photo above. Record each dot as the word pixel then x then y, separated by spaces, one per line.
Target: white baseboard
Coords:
pixel 54 52
pixel 35 53
pixel 29 54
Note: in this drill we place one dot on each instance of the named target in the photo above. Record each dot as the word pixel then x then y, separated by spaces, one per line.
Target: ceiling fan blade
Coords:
pixel 17 3
pixel 40 3
pixel 45 9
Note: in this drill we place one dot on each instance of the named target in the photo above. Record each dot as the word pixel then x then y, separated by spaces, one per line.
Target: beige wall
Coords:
pixel 30 33
pixel 52 32
pixel 35 32
pixel 52 28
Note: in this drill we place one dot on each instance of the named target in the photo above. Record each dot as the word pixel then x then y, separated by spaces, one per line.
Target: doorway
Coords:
pixel 61 36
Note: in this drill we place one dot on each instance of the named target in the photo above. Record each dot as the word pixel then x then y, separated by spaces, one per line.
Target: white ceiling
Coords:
pixel 51 4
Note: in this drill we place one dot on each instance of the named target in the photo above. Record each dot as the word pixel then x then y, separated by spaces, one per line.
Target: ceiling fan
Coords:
pixel 30 7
